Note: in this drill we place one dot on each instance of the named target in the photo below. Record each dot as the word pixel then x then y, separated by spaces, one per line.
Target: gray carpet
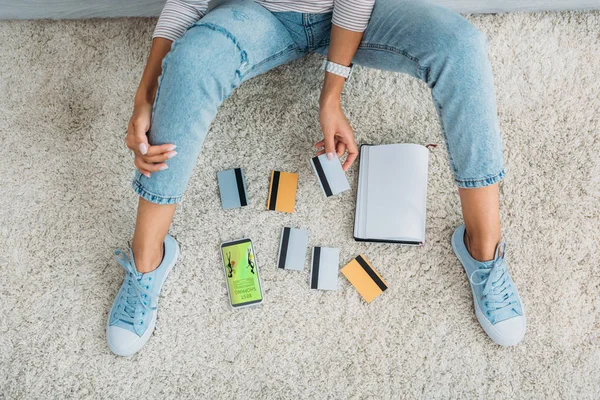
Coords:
pixel 66 91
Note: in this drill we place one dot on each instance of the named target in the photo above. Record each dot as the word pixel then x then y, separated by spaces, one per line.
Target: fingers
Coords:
pixel 154 163
pixel 330 144
pixel 158 158
pixel 148 158
pixel 340 148
pixel 349 161
pixel 352 153
pixel 145 167
pixel 130 140
pixel 154 159
pixel 321 150
pixel 137 140
pixel 139 145
pixel 159 149
pixel 140 127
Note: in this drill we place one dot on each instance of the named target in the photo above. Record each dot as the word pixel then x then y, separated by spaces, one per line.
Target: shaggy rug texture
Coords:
pixel 66 91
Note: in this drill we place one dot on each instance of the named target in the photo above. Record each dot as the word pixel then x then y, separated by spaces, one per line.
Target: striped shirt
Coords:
pixel 178 15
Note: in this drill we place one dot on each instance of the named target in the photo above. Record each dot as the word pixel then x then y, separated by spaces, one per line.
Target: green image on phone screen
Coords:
pixel 241 273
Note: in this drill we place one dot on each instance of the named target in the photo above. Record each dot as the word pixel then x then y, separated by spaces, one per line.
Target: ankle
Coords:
pixel 481 248
pixel 147 258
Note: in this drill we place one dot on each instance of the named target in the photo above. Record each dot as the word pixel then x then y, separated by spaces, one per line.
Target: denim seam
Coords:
pixel 484 178
pixel 163 67
pixel 220 29
pixel 488 180
pixel 244 55
pixel 156 96
pixel 438 108
pixel 234 40
pixel 230 36
pixel 422 69
pixel 292 47
pixel 149 196
pixel 307 31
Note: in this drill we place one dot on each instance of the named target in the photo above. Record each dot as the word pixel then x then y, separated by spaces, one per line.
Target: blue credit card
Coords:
pixel 232 187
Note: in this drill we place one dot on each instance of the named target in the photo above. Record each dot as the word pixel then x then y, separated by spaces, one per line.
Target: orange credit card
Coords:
pixel 364 278
pixel 282 191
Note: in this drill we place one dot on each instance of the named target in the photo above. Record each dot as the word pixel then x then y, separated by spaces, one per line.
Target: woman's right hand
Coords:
pixel 148 158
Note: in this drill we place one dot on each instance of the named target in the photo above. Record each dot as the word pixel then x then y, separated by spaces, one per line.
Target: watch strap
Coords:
pixel 338 69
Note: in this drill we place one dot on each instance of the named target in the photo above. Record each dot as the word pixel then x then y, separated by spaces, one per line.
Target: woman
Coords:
pixel 206 54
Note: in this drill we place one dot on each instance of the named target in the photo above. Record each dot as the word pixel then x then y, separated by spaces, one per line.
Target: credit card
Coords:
pixel 282 191
pixel 292 249
pixel 232 187
pixel 330 174
pixel 324 268
pixel 364 278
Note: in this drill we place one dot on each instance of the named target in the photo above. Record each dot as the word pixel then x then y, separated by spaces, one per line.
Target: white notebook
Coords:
pixel 392 194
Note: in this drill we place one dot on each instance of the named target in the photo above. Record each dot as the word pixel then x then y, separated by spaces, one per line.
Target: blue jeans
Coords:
pixel 240 39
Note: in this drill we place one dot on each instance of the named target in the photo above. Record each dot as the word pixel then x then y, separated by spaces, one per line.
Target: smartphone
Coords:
pixel 241 273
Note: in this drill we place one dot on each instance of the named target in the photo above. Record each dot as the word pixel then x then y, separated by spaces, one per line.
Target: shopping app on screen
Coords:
pixel 241 272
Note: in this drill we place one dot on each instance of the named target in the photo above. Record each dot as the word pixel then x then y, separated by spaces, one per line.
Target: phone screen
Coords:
pixel 241 273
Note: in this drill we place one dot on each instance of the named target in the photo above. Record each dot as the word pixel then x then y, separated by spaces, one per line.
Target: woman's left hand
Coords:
pixel 337 132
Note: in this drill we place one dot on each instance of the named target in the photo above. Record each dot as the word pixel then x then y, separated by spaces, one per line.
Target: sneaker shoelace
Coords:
pixel 498 291
pixel 134 295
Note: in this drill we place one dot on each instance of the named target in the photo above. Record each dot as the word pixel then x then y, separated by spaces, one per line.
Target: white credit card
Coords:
pixel 330 174
pixel 324 269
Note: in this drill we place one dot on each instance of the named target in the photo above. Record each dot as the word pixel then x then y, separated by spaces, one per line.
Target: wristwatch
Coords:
pixel 338 69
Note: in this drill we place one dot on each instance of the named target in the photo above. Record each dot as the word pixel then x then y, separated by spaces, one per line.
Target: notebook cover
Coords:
pixel 282 191
pixel 292 249
pixel 232 187
pixel 364 278
pixel 330 174
pixel 373 240
pixel 325 265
